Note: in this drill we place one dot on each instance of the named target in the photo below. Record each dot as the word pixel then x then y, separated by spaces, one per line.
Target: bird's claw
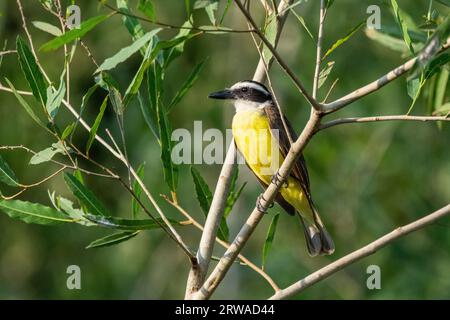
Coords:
pixel 276 179
pixel 259 206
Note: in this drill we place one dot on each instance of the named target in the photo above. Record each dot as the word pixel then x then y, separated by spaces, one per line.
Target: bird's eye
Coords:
pixel 244 89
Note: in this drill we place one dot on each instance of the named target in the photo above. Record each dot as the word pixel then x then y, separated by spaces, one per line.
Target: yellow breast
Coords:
pixel 253 138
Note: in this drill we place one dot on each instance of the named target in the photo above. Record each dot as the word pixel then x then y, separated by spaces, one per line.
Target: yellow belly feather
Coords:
pixel 251 132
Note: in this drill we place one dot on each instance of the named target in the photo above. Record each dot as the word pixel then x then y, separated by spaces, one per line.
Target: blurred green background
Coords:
pixel 366 179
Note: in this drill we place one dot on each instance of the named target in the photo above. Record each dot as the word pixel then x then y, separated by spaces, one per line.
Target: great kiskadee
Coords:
pixel 261 138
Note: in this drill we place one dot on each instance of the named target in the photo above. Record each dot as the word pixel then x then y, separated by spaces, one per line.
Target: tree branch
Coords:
pixel 381 118
pixel 197 273
pixel 357 255
pixel 377 84
pixel 323 13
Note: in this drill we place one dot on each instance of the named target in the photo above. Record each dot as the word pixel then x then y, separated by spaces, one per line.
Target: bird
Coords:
pixel 264 141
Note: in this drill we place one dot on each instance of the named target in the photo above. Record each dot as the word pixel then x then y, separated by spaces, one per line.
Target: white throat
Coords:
pixel 245 105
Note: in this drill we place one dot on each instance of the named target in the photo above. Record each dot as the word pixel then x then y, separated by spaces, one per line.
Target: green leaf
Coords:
pixel 32 212
pixel 137 191
pixel 131 23
pixel 112 239
pixel 149 56
pixel 441 86
pixel 84 101
pixel 127 52
pixel 47 27
pixel 343 40
pixel 271 34
pixel 187 84
pixel 127 224
pixel 329 3
pixel 96 124
pixel 85 195
pixel 174 52
pixel 269 239
pixel 25 105
pixel 77 215
pixel 170 169
pixel 204 195
pixel 302 22
pixel 7 175
pixel 436 64
pixel 67 131
pixel 225 11
pixel 47 154
pixel 149 116
pixel 402 24
pixel 147 8
pixel 31 71
pixel 413 87
pixel 442 110
pixel 386 40
pixel 73 34
pixel 55 98
pixel 210 7
pixel 325 72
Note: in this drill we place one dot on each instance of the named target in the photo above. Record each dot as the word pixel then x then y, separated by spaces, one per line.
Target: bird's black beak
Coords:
pixel 224 94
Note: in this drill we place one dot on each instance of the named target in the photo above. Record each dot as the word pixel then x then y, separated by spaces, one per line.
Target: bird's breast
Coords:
pixel 252 134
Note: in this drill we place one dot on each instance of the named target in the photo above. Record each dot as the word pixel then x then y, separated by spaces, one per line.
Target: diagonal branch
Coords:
pixel 357 255
pixel 198 272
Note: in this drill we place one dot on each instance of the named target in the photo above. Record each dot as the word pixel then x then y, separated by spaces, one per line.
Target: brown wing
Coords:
pixel 299 171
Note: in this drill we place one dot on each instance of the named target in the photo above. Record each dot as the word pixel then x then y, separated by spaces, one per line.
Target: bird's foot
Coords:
pixel 276 179
pixel 259 205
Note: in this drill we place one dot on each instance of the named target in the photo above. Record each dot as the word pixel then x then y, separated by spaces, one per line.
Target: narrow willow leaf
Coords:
pixel 55 98
pixel 343 40
pixel 269 239
pixel 67 131
pixel 149 116
pixel 26 106
pixel 170 169
pixel 387 40
pixel 210 7
pixel 77 215
pixel 85 195
pixel 147 8
pixel 31 71
pixel 96 124
pixel 47 27
pixel 149 56
pixel 413 87
pixel 402 24
pixel 127 52
pixel 32 212
pixel 187 85
pixel 112 239
pixel 329 3
pixel 225 11
pixel 47 154
pixel 442 110
pixel 131 23
pixel 84 102
pixel 325 72
pixel 436 64
pixel 271 34
pixel 171 54
pixel 303 23
pixel 204 195
pixel 7 175
pixel 128 224
pixel 73 34
pixel 137 191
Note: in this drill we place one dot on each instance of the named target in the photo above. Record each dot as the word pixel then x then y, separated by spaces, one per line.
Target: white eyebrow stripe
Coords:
pixel 250 85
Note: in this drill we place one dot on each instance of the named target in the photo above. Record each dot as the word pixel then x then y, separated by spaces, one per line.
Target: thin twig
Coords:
pixel 171 26
pixel 226 245
pixel 357 255
pixel 323 13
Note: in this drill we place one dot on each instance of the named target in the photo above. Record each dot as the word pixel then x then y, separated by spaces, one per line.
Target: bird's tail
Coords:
pixel 318 240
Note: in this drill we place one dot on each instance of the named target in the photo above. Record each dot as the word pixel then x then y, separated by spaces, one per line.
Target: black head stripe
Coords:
pixel 254 91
